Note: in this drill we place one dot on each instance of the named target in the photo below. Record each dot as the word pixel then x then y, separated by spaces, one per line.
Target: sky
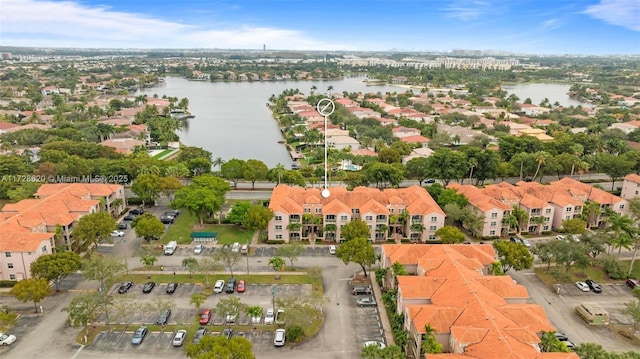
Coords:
pixel 589 27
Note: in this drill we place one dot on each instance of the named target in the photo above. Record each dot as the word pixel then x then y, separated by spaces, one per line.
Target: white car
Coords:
pixel 560 237
pixel 525 242
pixel 198 249
pixel 7 339
pixel 332 249
pixel 179 337
pixel 256 319
pixel 117 234
pixel 380 345
pixel 219 287
pixel 583 286
pixel 269 317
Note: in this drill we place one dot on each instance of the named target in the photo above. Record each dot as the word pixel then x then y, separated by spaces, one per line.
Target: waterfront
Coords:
pixel 232 119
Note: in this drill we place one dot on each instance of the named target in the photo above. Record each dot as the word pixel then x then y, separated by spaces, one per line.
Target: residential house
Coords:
pixel 421 140
pixel 363 112
pixel 342 142
pixel 533 110
pixel 302 213
pixel 538 133
pixel 402 131
pixel 630 186
pixel 4 126
pixel 471 314
pixel 417 152
pixel 123 145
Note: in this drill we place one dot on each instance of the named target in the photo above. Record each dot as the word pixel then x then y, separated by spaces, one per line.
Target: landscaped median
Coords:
pixel 183 226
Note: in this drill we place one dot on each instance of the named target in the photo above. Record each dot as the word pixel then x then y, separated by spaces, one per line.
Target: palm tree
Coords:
pixel 521 216
pixel 541 158
pixel 550 343
pixel 539 221
pixel 622 241
pixel 418 227
pixel 330 228
pixel 295 228
pixel 279 171
pixel 313 88
pixel 382 230
pixel 473 163
pixel 619 223
pixel 219 162
pixel 511 221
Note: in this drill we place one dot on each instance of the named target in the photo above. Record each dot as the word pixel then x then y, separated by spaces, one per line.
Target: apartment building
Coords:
pixel 545 206
pixel 28 227
pixel 630 186
pixel 303 214
pixel 472 314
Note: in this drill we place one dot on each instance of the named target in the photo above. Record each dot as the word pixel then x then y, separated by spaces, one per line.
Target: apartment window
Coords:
pixel 28 253
pixel 307 210
pixel 568 209
pixel 44 248
pixel 416 218
pixel 546 228
pixel 434 219
pixel 12 277
pixel 278 228
pixel 370 227
pixel 7 254
pixel 494 215
pixel 381 217
pixel 368 218
pixel 355 210
pixel 330 218
pixel 343 218
pixel 622 206
pixel 492 233
pixel 10 265
pixel 278 218
pixel 547 211
pixel 318 210
pixel 278 236
pixel 391 209
pixel 493 224
pixel 401 210
pixel 636 193
pixel 567 217
pixel 432 228
pixel 432 237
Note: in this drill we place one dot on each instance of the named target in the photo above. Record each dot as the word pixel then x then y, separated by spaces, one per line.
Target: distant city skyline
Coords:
pixel 589 27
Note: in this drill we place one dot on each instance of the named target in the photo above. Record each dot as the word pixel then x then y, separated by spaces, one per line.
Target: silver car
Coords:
pixel 179 338
pixel 139 335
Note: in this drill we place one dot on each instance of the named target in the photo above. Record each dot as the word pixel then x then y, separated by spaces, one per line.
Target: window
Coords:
pixel 10 265
pixel 381 218
pixel 318 210
pixel 492 233
pixel 494 215
pixel 432 237
pixel 343 218
pixel 44 248
pixel 307 210
pixel 432 228
pixel 278 236
pixel 547 211
pixel 567 217
pixel 401 210
pixel 12 277
pixel 278 218
pixel 28 253
pixel 546 228
pixel 622 206
pixel 493 224
pixel 416 218
pixel 355 210
pixel 7 254
pixel 278 227
pixel 368 218
pixel 391 209
pixel 434 219
pixel 569 209
pixel 330 218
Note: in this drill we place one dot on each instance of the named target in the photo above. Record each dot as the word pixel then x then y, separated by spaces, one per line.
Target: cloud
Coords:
pixel 550 24
pixel 71 24
pixel 466 10
pixel 624 13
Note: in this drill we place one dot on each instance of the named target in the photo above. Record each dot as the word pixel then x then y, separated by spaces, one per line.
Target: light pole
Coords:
pixel 273 301
pixel 325 107
pixel 124 249
pixel 247 254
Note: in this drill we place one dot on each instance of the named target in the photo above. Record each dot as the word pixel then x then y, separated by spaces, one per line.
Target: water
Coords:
pixel 232 119
pixel 538 91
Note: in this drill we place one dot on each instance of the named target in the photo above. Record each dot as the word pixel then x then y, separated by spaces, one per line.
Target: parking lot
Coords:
pixel 261 251
pixel 367 325
pixel 612 299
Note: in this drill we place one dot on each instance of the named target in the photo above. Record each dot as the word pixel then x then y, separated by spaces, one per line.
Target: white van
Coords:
pixel 279 338
pixel 244 249
pixel 332 249
pixel 170 247
pixel 235 248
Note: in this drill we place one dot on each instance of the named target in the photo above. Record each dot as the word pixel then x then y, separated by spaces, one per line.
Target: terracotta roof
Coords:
pixel 22 242
pixel 633 178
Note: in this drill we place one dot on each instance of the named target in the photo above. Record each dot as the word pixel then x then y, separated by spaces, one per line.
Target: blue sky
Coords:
pixel 601 27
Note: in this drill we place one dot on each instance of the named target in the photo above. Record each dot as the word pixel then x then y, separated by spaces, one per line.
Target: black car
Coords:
pixel 136 211
pixel 361 290
pixel 561 336
pixel 173 213
pixel 129 217
pixel 148 287
pixel 632 283
pixel 163 318
pixel 123 225
pixel 595 287
pixel 124 287
pixel 231 285
pixel 171 288
pixel 201 332
pixel 227 332
pixel 166 219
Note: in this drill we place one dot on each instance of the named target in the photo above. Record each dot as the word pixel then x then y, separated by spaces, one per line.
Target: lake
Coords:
pixel 232 119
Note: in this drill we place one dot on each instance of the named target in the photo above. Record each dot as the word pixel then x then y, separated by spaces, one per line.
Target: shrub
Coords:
pixel 295 333
pixel 7 283
pixel 613 267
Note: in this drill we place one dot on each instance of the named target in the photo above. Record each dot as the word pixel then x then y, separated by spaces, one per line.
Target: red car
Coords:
pixel 241 286
pixel 205 317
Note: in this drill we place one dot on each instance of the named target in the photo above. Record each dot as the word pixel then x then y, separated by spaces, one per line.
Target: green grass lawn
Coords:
pixel 163 153
pixel 181 230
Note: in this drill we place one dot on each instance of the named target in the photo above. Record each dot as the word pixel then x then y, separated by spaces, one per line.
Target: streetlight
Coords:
pixel 325 107
pixel 247 254
pixel 124 249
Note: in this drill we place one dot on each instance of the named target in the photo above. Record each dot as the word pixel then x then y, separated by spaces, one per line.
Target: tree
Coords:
pixel 255 171
pixel 277 263
pixel 148 261
pixel 290 251
pixel 496 268
pixel 169 185
pixel 615 167
pixel 357 250
pixel 197 299
pixel 208 264
pixel 417 168
pixel 148 227
pixel 258 218
pixel 370 351
pixel 31 290
pixel 101 268
pixel 91 230
pixel 219 347
pixel 591 351
pixel 513 256
pixel 227 258
pixel 355 229
pixel 383 174
pixel 238 212
pixel 55 267
pixel 632 309
pixel 203 197
pixel 147 187
pixel 450 235
pixel 230 306
pixel 234 170
pixel 574 226
pixel 550 343
pixel 8 320
pixel 84 308
pixel 430 344
pixel 254 311
pixel 191 264
pixel 545 252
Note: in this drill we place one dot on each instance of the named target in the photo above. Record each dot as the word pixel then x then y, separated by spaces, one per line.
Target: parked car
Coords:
pixel 7 339
pixel 256 319
pixel 361 290
pixel 560 237
pixel 163 318
pixel 583 286
pixel 227 332
pixel 569 344
pixel 173 213
pixel 241 286
pixel 165 219
pixel 205 317
pixel 244 250
pixel 129 217
pixel 124 287
pixel 332 249
pixel 171 288
pixel 279 338
pixel 561 336
pixel 139 335
pixel 198 248
pixel 123 225
pixel 179 338
pixel 231 285
pixel 280 317
pixel 632 283
pixel 117 234
pixel 219 287
pixel 231 318
pixel 525 242
pixel 379 345
pixel 201 332
pixel 148 287
pixel 367 302
pixel 430 181
pixel 269 317
pixel 595 287
pixel 136 211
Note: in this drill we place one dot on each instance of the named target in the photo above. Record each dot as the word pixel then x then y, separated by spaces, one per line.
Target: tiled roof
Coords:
pixel 633 178
pixel 22 242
